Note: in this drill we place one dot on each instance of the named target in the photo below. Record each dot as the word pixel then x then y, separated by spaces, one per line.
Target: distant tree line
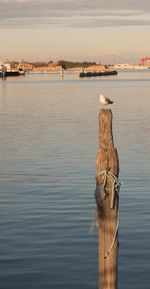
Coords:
pixel 65 64
pixel 70 64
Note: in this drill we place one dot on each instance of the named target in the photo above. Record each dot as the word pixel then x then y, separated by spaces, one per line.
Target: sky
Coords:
pixel 107 31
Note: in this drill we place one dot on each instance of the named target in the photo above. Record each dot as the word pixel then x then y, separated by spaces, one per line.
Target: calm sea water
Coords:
pixel 48 147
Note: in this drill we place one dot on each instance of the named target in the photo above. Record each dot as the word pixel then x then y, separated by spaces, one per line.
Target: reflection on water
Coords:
pixel 48 146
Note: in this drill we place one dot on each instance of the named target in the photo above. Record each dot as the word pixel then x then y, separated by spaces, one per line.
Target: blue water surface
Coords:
pixel 48 147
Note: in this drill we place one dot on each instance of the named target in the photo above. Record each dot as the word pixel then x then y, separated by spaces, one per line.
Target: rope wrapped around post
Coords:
pixel 100 195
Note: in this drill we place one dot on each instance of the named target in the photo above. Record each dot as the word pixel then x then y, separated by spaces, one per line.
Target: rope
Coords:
pixel 114 192
pixel 114 238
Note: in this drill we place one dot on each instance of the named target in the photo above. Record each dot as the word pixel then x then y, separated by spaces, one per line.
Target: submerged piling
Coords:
pixel 107 201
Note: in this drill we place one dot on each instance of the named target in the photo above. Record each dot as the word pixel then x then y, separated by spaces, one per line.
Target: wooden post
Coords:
pixel 106 194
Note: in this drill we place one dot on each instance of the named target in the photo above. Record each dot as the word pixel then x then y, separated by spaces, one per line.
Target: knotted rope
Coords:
pixel 114 193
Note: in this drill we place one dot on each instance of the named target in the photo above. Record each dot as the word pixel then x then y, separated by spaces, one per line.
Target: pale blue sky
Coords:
pixel 99 30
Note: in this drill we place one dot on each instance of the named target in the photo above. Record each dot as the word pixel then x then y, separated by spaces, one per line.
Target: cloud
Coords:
pixel 73 13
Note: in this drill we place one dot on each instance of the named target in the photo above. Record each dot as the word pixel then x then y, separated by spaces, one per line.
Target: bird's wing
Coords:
pixel 107 99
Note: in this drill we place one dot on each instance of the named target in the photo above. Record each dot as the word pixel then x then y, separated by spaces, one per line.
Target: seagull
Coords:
pixel 104 100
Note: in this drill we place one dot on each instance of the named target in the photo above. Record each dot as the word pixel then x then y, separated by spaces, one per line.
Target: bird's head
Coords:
pixel 101 96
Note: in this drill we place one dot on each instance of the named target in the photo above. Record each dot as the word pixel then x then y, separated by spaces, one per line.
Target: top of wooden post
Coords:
pixel 105 129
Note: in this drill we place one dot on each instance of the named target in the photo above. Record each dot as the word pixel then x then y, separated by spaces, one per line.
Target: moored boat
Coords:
pixel 98 73
pixel 5 71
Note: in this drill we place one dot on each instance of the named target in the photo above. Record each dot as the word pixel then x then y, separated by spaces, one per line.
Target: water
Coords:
pixel 48 146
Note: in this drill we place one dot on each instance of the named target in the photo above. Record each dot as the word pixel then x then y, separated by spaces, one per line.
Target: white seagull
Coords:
pixel 104 100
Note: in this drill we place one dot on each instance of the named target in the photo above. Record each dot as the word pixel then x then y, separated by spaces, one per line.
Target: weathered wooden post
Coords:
pixel 107 200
